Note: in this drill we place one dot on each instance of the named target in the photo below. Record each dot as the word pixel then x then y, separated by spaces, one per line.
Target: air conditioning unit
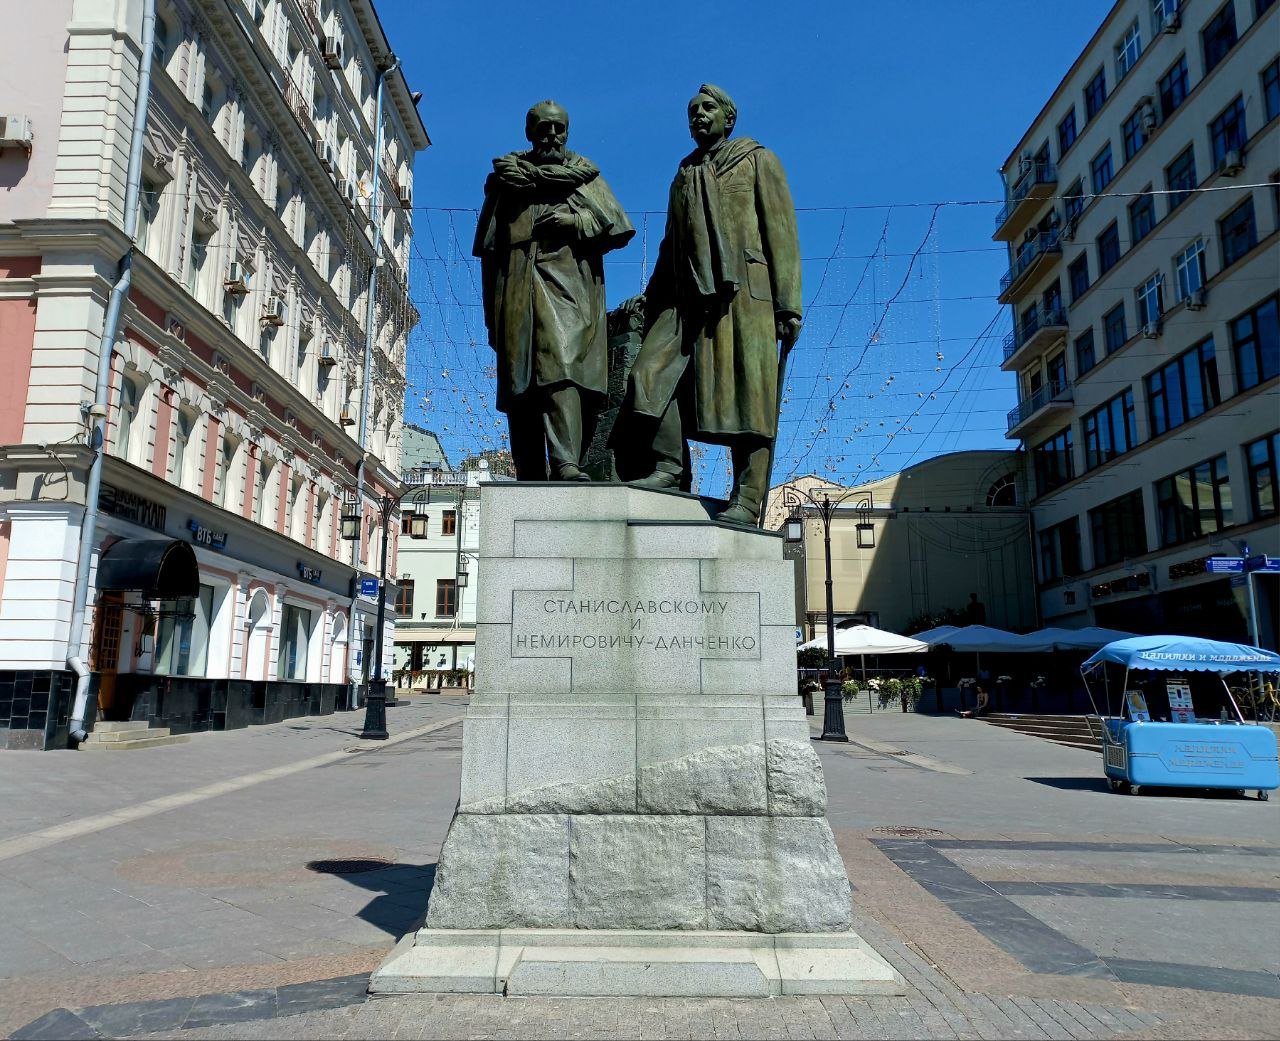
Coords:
pixel 406 196
pixel 1196 299
pixel 1068 231
pixel 331 51
pixel 346 418
pixel 1232 163
pixel 1149 122
pixel 16 132
pixel 235 283
pixel 324 153
pixel 347 189
pixel 1152 330
pixel 327 358
pixel 274 311
pixel 1172 22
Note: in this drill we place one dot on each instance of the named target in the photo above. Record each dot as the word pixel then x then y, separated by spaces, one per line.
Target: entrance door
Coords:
pixel 107 625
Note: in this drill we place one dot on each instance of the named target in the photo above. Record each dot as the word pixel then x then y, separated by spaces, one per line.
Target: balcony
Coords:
pixel 1032 412
pixel 1037 182
pixel 1033 332
pixel 1034 255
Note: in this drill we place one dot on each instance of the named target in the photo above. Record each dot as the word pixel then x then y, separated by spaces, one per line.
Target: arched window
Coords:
pixel 1004 492
pixel 126 418
pixel 185 458
pixel 226 477
pixel 265 497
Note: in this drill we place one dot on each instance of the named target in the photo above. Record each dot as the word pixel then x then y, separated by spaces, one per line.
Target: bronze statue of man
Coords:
pixel 548 220
pixel 725 291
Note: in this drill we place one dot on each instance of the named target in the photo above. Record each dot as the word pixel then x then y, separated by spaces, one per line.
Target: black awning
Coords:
pixel 160 569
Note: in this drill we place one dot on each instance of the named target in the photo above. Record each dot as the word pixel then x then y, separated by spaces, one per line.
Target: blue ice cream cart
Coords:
pixel 1181 731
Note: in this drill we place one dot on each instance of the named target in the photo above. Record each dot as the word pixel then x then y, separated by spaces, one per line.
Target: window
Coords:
pixel 264 491
pixel 1053 462
pixel 1060 550
pixel 446 597
pixel 126 417
pixel 1128 50
pixel 449 522
pixel 225 495
pixel 1133 134
pixel 1194 502
pixel 197 262
pixel 295 628
pixel 1078 276
pixel 1188 266
pixel 1227 132
pixel 1110 430
pixel 1261 456
pixel 1175 85
pixel 1115 334
pixel 184 462
pixel 406 520
pixel 1150 297
pixel 182 635
pixel 1056 372
pixel 1003 491
pixel 404 598
pixel 150 195
pixel 1067 131
pixel 1261 7
pixel 1183 388
pixel 1073 200
pixel 1180 177
pixel 1118 530
pixel 1142 217
pixel 1102 169
pixel 1271 90
pixel 1085 356
pixel 1255 339
pixel 1095 94
pixel 1219 36
pixel 1108 248
pixel 1238 232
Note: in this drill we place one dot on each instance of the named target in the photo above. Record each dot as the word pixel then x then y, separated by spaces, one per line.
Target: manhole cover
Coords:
pixel 348 867
pixel 901 831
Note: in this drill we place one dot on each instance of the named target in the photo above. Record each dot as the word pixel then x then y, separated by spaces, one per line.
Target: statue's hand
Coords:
pixel 788 330
pixel 633 304
pixel 557 219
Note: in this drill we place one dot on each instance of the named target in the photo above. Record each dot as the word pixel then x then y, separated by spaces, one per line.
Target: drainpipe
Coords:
pixel 370 327
pixel 97 411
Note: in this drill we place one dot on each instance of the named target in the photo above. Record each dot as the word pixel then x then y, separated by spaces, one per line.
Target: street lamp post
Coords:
pixel 833 728
pixel 375 702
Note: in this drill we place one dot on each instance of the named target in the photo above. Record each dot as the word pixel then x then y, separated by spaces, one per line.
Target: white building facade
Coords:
pixel 1142 220
pixel 237 377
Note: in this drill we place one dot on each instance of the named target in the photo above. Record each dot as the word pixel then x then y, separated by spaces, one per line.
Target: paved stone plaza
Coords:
pixel 245 884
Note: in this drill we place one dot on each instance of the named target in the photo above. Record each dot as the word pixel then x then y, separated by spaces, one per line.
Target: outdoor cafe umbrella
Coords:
pixel 867 639
pixel 1090 638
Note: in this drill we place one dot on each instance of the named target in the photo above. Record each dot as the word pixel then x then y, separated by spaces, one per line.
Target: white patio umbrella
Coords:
pixel 937 635
pixel 1090 638
pixel 867 639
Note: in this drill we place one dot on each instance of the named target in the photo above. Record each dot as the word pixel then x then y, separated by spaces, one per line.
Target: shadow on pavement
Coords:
pixel 402 890
pixel 1073 784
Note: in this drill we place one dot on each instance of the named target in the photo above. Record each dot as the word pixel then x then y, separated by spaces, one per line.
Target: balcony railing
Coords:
pixel 1033 325
pixel 1035 182
pixel 1030 253
pixel 1055 393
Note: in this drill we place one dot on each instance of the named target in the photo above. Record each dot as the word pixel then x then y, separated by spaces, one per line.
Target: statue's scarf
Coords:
pixel 519 172
pixel 703 256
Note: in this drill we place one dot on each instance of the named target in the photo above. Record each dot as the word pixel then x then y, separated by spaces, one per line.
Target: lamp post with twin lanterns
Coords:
pixel 796 500
pixel 375 702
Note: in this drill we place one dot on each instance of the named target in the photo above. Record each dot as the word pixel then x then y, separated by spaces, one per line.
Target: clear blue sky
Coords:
pixel 867 104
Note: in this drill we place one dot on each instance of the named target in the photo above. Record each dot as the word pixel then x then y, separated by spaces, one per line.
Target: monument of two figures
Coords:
pixel 640 808
pixel 725 292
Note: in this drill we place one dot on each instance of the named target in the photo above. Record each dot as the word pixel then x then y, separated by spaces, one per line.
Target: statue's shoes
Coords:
pixel 569 472
pixel 736 513
pixel 659 480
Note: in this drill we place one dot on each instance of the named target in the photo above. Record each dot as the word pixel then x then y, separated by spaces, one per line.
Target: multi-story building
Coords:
pixel 948 536
pixel 436 575
pixel 1144 263
pixel 237 379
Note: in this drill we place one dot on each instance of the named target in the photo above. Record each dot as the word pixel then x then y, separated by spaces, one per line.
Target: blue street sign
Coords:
pixel 368 587
pixel 799 635
pixel 1262 562
pixel 1224 565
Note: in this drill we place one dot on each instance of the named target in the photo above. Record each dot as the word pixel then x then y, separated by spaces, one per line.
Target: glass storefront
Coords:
pixel 182 635
pixel 295 628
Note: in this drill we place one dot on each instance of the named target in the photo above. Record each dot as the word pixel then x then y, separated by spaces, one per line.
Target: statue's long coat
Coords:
pixel 544 302
pixel 730 217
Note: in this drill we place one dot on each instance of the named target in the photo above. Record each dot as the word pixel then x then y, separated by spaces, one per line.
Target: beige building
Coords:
pixel 240 413
pixel 917 543
pixel 1142 228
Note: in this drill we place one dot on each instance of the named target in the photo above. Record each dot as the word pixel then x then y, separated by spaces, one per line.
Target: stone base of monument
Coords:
pixel 596 962
pixel 641 811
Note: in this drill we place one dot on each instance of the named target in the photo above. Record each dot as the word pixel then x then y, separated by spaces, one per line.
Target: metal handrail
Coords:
pixel 1046 395
pixel 1028 253
pixel 1042 172
pixel 1027 326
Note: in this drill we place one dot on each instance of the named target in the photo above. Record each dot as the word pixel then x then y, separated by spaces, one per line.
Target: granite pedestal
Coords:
pixel 641 811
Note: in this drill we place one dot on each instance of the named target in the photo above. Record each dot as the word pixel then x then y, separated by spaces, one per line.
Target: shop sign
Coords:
pixel 308 573
pixel 1262 562
pixel 205 536
pixel 1189 568
pixel 368 587
pixel 1128 584
pixel 132 507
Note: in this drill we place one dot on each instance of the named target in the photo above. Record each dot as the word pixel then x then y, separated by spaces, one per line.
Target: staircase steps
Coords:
pixel 1072 731
pixel 120 737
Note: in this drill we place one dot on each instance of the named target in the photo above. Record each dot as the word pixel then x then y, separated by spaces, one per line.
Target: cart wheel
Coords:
pixel 1263 796
pixel 1133 789
pixel 1118 785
